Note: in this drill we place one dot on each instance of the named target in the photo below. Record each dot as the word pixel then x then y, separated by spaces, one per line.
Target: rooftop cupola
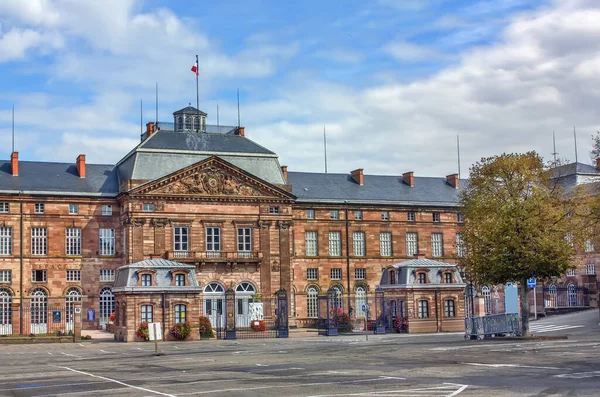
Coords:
pixel 190 119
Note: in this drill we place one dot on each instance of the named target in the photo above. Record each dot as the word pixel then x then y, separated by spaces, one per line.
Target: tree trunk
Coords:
pixel 524 295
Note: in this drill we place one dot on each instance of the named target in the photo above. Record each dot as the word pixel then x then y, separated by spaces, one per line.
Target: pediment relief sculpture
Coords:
pixel 210 181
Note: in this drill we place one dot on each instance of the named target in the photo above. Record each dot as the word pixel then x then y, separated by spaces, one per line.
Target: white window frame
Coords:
pixel 460 245
pixel 147 313
pixel 73 209
pixel 39 241
pixel 385 243
pixel 107 210
pixel 447 278
pixel 589 246
pixel 449 308
pixel 180 313
pixel 73 275
pixel 312 273
pixel 312 308
pixel 4 207
pixel 38 208
pixel 213 241
pixel 335 243
pixel 571 273
pixel 6 240
pixel 274 209
pixel 5 276
pixel 411 216
pixel 244 240
pixel 358 215
pixel 312 246
pixel 146 280
pixel 42 272
pixel 181 239
pixel 358 244
pixel 73 241
pixel 460 218
pixel 590 269
pixel 336 273
pixel 178 278
pixel 107 275
pixel 436 217
pixel 107 242
pixel 423 308
pixel 437 244
pixel 360 273
pixel 385 215
pixel 334 214
pixel 149 207
pixel 412 243
pixel 310 214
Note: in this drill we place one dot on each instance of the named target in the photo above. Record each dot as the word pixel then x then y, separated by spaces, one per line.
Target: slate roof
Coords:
pixel 127 276
pixel 382 189
pixel 210 128
pixel 37 177
pixel 422 262
pixel 190 109
pixel 406 276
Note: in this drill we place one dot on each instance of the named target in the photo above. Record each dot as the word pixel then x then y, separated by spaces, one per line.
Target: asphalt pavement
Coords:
pixel 444 365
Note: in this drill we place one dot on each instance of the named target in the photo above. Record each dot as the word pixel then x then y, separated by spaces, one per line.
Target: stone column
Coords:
pixel 285 272
pixel 77 322
pixel 159 234
pixel 265 249
pixel 16 318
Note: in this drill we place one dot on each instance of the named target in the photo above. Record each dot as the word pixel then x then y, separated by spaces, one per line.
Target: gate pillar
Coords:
pixel 379 311
pixel 282 314
pixel 16 318
pixel 77 322
pixel 230 314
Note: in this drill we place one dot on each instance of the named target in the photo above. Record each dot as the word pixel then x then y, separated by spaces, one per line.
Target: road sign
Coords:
pixel 531 283
pixel 154 331
pixel 364 307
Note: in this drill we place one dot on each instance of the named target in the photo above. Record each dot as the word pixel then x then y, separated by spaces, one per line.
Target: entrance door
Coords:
pixel 5 312
pixel 107 305
pixel 244 293
pixel 73 295
pixel 572 295
pixel 39 311
pixel 214 304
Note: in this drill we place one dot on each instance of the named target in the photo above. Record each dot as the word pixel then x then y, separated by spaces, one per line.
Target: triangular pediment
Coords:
pixel 213 177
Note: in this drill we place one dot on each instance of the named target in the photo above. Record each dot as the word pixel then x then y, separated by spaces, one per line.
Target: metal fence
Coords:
pixel 564 297
pixel 507 324
pixel 44 319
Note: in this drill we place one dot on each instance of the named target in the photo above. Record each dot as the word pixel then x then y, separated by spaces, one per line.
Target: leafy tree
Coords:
pixel 518 223
pixel 595 152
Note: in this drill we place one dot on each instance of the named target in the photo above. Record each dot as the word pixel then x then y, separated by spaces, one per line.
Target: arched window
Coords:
pixel 422 278
pixel 5 312
pixel 335 295
pixel 179 123
pixel 214 302
pixel 423 309
pixel 449 309
pixel 311 302
pixel 214 288
pixel 73 295
pixel 487 296
pixel 245 308
pixel 550 300
pixel 572 294
pixel 392 277
pixel 107 304
pixel 245 287
pixel 188 122
pixel 39 311
pixel 359 301
pixel 180 314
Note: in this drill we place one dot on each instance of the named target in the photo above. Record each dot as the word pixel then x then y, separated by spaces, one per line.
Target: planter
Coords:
pixel 258 325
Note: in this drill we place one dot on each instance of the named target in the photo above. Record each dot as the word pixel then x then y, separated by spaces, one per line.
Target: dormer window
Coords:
pixel 392 277
pixel 422 278
pixel 447 278
pixel 179 123
pixel 180 280
pixel 146 280
pixel 188 122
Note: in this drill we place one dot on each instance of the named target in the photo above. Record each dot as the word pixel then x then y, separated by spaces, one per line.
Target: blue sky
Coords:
pixel 393 81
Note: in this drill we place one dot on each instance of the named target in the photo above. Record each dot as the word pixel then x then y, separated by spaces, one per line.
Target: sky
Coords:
pixel 393 82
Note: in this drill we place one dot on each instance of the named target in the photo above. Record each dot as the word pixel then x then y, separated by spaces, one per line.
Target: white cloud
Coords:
pixel 15 43
pixel 405 51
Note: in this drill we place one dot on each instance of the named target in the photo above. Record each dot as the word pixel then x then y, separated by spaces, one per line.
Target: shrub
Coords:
pixel 258 325
pixel 181 330
pixel 343 322
pixel 205 326
pixel 142 331
pixel 111 318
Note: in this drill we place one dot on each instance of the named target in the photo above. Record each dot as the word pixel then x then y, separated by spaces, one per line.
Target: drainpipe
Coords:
pixel 21 320
pixel 163 314
pixel 348 260
pixel 437 321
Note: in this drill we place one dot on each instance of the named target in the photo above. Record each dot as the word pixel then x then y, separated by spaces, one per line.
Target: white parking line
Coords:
pixel 579 375
pixel 509 366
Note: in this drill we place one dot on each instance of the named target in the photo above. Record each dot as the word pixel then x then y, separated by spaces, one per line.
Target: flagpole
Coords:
pixel 197 96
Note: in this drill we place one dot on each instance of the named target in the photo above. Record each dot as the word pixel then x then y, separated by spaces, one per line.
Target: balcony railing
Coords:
pixel 214 256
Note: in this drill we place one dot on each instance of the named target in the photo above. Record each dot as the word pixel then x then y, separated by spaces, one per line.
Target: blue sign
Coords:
pixel 531 283
pixel 364 307
pixel 56 316
pixel 91 315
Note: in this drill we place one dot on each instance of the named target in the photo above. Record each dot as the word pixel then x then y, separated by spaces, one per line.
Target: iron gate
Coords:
pixel 44 319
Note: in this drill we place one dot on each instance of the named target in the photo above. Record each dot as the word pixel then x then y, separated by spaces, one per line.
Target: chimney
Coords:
pixel 452 180
pixel 149 129
pixel 14 163
pixel 284 171
pixel 240 131
pixel 81 165
pixel 358 176
pixel 598 163
pixel 409 178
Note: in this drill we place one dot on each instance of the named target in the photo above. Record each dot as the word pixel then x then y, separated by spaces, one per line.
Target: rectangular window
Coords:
pixel 358 243
pixel 312 273
pixel 436 217
pixel 38 276
pixel 107 275
pixel 180 314
pixel 149 207
pixel 360 273
pixel 336 273
pixel 73 209
pixel 411 216
pixel 73 275
pixel 311 244
pixel 335 214
pixel 180 241
pixel 385 244
pixel 310 214
pixel 571 273
pixel 460 245
pixel 244 240
pixel 385 215
pixel 147 314
pixel 460 218
pixel 73 241
pixel 180 280
pixel 422 278
pixel 213 242
pixel 39 241
pixel 590 269
pixel 107 242
pixel 423 309
pixel 335 243
pixel 5 276
pixel 39 208
pixel 274 210
pixel 107 210
pixel 5 240
pixel 4 207
pixel 146 280
pixel 447 278
pixel 358 215
pixel 411 244
pixel 437 246
pixel 589 246
pixel 449 308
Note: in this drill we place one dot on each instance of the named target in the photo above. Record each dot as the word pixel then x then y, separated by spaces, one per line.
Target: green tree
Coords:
pixel 518 223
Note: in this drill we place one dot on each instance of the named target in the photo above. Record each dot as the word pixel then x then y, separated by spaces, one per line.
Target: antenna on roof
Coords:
pixel 575 138
pixel 458 153
pixel 141 118
pixel 218 117
pixel 156 120
pixel 325 146
pixel 13 128
pixel 238 103
pixel 555 153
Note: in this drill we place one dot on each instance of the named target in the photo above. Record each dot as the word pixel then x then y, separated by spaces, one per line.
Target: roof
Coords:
pixel 158 263
pixel 382 189
pixel 574 168
pixel 209 128
pixel 422 262
pixel 38 177
pixel 405 275
pixel 128 277
pixel 189 109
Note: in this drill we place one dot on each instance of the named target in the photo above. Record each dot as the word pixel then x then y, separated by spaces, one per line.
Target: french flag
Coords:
pixel 195 67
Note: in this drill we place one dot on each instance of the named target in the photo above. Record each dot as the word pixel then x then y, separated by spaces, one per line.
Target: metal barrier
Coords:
pixel 507 324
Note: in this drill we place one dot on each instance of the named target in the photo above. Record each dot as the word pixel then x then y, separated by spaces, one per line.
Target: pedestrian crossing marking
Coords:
pixel 541 328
